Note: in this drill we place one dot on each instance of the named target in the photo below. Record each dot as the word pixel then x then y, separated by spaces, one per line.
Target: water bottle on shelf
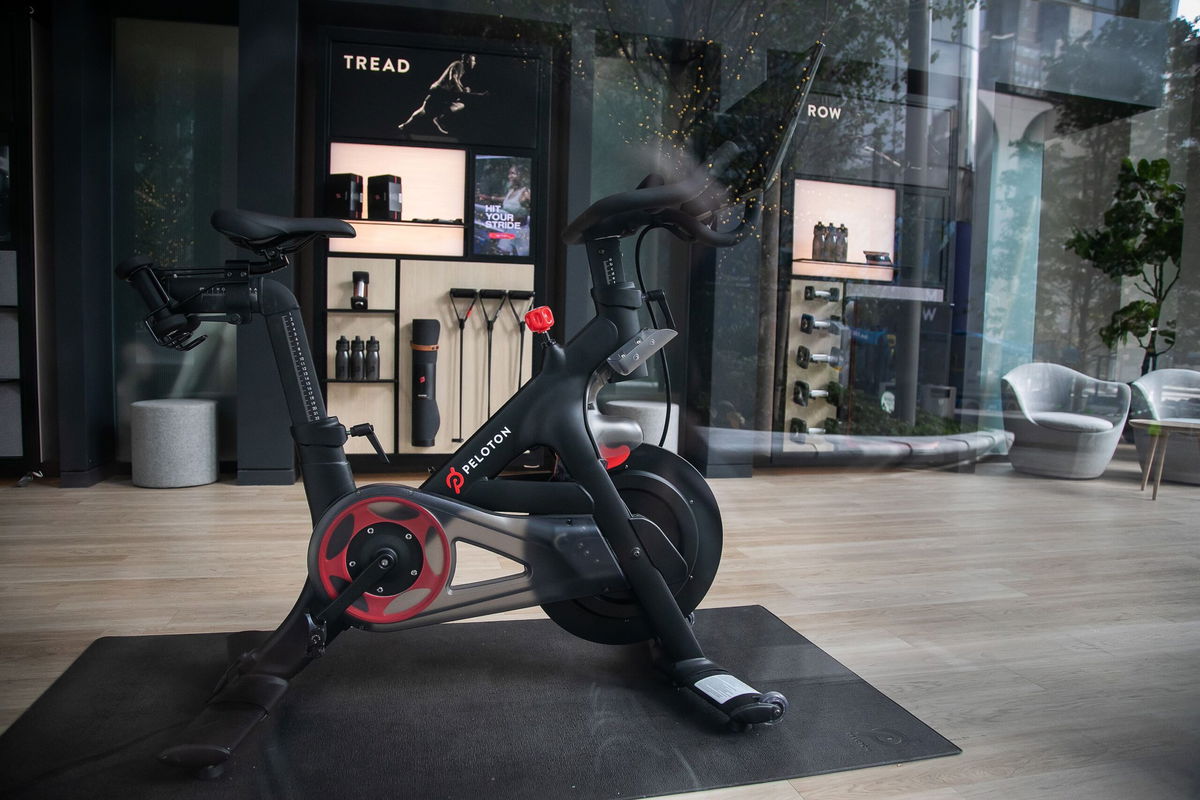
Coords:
pixel 371 368
pixel 341 361
pixel 357 358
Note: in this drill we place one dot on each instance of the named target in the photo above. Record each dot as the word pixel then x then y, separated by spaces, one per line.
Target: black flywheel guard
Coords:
pixel 665 488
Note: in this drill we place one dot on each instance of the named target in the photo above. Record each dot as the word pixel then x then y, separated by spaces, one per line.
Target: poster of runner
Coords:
pixel 503 200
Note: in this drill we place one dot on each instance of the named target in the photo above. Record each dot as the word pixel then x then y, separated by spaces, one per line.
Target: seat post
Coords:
pixel 319 437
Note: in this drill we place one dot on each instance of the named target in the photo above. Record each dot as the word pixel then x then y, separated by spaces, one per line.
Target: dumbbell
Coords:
pixel 805 357
pixel 799 427
pixel 809 323
pixel 802 393
pixel 811 293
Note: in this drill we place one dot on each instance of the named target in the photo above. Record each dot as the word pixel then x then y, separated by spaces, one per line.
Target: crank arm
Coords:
pixel 384 560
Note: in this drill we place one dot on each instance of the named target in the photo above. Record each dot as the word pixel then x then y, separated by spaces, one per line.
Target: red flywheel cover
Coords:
pixel 393 513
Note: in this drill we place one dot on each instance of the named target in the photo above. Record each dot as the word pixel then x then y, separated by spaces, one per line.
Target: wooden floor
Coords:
pixel 1050 628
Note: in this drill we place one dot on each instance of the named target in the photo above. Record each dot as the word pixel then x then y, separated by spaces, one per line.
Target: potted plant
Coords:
pixel 1141 238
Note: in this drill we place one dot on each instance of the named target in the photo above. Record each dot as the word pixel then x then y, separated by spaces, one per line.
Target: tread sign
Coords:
pixel 414 94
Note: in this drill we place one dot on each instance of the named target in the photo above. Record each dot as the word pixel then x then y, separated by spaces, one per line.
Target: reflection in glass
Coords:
pixel 174 131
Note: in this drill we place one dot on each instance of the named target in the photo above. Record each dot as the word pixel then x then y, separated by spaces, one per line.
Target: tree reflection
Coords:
pixel 1082 161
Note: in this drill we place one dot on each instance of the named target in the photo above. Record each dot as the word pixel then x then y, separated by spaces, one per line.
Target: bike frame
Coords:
pixel 555 409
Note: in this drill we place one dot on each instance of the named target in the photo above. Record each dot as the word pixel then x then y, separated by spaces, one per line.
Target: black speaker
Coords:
pixel 425 417
pixel 384 197
pixel 344 195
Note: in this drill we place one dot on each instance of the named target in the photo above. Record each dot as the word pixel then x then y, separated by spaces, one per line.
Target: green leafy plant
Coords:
pixel 1142 239
pixel 867 418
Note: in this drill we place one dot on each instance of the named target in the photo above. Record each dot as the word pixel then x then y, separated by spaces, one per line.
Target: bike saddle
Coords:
pixel 268 234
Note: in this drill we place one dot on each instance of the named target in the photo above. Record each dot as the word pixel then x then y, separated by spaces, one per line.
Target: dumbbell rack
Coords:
pixel 806 329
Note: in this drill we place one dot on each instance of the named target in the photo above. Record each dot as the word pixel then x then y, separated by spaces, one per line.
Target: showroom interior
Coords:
pixel 936 356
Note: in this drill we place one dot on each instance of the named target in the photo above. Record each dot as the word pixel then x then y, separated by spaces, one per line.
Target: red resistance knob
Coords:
pixel 540 319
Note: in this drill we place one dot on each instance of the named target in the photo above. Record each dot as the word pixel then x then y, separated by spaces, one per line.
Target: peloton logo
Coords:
pixel 376 64
pixel 485 451
pixel 455 480
pixel 824 112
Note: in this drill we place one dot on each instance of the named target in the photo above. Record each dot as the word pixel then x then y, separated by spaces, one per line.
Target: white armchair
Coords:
pixel 1169 394
pixel 1065 424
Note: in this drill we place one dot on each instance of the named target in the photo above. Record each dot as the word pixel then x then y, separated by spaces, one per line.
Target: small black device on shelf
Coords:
pixel 358 300
pixel 384 197
pixel 344 195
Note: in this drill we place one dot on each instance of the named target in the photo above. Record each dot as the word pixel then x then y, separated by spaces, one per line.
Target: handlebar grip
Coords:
pixel 617 214
pixel 138 272
pixel 131 265
pixel 168 328
pixel 684 222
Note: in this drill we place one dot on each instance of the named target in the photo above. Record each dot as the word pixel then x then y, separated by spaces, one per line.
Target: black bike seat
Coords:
pixel 267 232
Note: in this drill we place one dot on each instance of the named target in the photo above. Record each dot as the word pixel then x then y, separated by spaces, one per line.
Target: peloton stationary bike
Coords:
pixel 619 543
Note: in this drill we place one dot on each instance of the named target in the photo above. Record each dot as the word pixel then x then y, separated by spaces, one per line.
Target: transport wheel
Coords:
pixel 661 486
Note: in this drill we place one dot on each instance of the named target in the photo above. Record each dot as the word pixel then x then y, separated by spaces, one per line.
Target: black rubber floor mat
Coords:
pixel 485 709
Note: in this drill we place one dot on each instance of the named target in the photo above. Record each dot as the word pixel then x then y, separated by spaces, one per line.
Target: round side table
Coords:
pixel 1160 430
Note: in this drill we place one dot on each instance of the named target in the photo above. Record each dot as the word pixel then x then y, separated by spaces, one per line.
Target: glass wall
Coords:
pixel 944 214
pixel 929 230
pixel 174 161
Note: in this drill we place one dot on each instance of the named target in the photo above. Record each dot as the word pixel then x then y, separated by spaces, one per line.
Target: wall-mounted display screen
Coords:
pixel 503 199
pixel 410 93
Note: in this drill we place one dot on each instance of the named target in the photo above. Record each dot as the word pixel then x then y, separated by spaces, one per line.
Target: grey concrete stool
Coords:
pixel 174 442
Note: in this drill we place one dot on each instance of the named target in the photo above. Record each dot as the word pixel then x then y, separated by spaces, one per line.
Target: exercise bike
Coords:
pixel 618 545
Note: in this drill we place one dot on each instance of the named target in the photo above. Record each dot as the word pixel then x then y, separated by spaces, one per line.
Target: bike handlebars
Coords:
pixel 168 328
pixel 755 133
pixel 625 213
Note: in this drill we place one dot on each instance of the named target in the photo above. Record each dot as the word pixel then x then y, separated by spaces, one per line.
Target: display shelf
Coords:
pixel 388 381
pixel 842 270
pixel 397 238
pixel 391 311
pixel 846 263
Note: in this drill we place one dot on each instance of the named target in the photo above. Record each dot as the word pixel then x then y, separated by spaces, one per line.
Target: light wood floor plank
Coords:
pixel 1051 628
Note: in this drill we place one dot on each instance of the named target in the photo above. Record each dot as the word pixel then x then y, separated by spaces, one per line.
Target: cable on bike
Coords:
pixel 662 355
